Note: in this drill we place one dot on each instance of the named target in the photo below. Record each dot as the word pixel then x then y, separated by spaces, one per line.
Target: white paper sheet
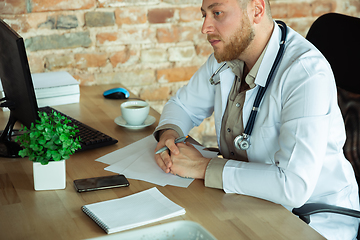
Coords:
pixel 145 168
pixel 129 152
pixel 140 163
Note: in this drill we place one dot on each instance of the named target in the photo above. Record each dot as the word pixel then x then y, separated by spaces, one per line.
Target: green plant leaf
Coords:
pixel 51 138
pixel 23 153
pixel 56 156
pixel 64 137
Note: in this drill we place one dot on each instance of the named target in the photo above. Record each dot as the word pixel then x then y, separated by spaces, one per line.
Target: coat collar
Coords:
pixel 269 57
pixel 227 76
pixel 266 64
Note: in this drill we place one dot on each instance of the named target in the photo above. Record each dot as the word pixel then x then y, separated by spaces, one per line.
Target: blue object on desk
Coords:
pixel 116 93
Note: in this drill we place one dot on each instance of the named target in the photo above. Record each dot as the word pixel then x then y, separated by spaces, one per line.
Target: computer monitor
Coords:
pixel 17 86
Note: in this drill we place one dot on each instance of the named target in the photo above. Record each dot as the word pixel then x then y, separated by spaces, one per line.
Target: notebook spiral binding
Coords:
pixel 96 220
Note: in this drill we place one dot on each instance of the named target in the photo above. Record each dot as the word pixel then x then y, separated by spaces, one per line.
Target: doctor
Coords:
pixel 295 154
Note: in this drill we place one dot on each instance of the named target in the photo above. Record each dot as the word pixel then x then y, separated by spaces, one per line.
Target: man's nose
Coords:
pixel 207 26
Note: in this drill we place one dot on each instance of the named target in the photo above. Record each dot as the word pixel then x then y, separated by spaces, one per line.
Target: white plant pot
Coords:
pixel 49 177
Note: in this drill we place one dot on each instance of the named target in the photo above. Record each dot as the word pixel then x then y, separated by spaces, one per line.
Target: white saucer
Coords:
pixel 148 121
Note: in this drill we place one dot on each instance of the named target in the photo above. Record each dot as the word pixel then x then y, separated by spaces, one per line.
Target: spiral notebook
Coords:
pixel 132 211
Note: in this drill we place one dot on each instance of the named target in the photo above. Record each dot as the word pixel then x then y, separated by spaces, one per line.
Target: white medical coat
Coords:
pixel 296 152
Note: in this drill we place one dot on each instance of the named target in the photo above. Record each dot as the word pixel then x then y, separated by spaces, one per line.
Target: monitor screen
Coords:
pixel 17 85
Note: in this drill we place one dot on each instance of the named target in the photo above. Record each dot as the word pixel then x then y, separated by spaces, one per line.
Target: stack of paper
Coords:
pixel 53 88
pixel 132 211
pixel 137 161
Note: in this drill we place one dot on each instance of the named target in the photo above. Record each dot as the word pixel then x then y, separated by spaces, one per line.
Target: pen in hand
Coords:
pixel 178 140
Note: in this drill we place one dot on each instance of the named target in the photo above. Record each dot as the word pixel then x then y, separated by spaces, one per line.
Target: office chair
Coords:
pixel 337 37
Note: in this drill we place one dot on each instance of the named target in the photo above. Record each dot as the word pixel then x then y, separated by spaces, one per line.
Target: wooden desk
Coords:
pixel 29 214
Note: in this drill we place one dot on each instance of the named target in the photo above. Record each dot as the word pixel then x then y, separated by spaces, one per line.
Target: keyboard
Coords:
pixel 90 138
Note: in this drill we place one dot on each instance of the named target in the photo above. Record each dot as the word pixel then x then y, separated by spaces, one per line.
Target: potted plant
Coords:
pixel 48 143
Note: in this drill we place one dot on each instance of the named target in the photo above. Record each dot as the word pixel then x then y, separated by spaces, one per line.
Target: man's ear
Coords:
pixel 258 10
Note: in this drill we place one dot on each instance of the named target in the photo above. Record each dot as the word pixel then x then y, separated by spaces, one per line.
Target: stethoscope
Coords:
pixel 242 141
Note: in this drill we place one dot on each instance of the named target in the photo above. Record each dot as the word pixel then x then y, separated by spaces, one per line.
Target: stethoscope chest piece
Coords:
pixel 241 142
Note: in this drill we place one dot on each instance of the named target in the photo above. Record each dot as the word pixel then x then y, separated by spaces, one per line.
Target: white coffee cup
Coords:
pixel 135 112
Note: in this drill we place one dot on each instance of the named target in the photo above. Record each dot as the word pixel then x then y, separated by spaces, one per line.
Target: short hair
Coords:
pixel 243 4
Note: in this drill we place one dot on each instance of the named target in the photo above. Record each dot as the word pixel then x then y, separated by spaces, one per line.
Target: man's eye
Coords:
pixel 217 13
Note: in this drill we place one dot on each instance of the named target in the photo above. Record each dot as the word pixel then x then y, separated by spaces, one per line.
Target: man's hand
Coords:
pixel 167 138
pixel 189 163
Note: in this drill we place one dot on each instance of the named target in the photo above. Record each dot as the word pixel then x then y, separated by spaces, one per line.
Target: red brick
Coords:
pixel 36 20
pixel 18 23
pixel 321 7
pixel 25 22
pixel 167 35
pixel 300 9
pixel 106 37
pixel 58 5
pixel 161 15
pixel 190 14
pixel 355 5
pixel 117 3
pixel 302 27
pixel 181 54
pixel 36 63
pixel 130 16
pixel 132 78
pixel 303 9
pixel 127 36
pixel 85 79
pixel 121 57
pixel 176 74
pixel 204 50
pixel 85 60
pixel 191 33
pixel 154 55
pixel 137 35
pixel 13 6
pixel 156 94
pixel 58 61
pixel 99 19
pixel 291 9
pixel 279 10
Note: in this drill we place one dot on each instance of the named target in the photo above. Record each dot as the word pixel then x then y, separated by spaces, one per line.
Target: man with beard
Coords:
pixel 295 154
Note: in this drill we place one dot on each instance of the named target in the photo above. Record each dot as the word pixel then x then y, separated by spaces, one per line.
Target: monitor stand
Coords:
pixel 8 148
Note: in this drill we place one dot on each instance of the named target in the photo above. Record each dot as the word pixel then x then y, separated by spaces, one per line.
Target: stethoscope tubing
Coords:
pixel 260 94
pixel 242 141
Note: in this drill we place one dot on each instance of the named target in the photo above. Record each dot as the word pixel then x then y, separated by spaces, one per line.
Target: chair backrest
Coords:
pixel 337 37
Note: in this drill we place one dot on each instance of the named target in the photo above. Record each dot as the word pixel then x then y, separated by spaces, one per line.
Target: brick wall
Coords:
pixel 152 47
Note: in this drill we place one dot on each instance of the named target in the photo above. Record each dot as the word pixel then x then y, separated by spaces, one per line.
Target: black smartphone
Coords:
pixel 97 183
